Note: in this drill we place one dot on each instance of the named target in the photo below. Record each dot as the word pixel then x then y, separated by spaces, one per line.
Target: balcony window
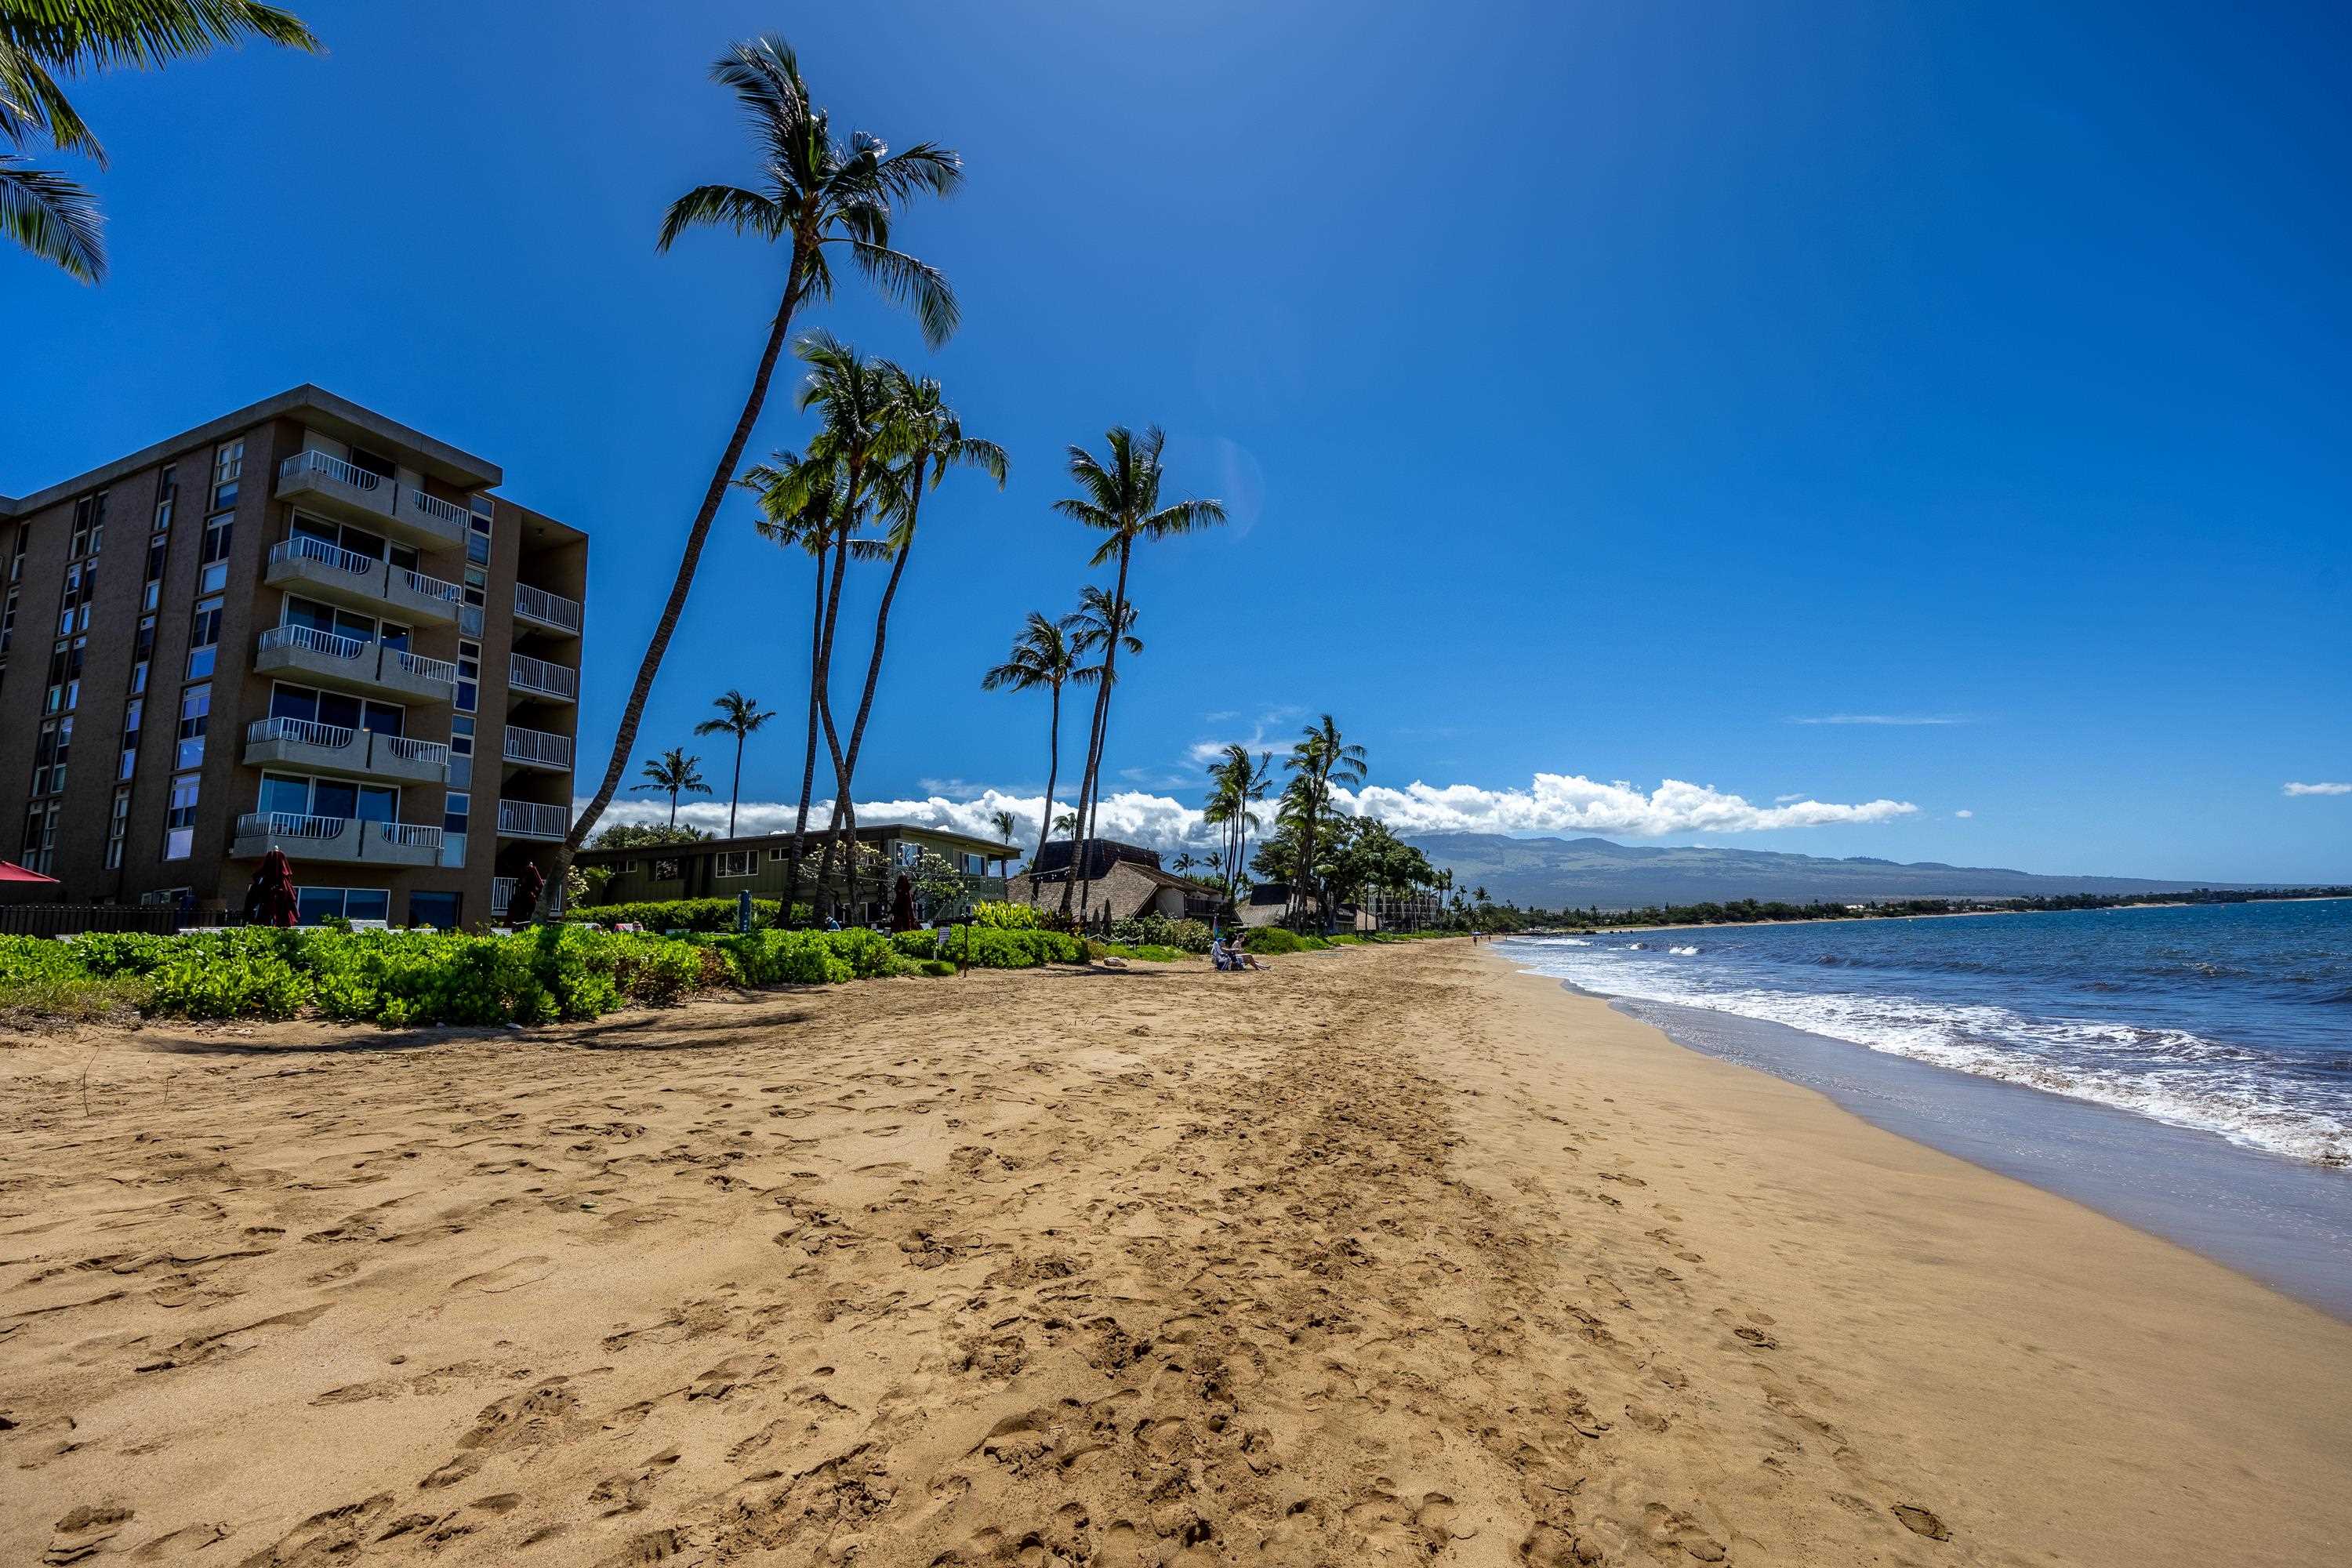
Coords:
pixel 180 818
pixel 314 906
pixel 89 527
pixel 212 573
pixel 461 750
pixel 116 826
pixel 195 718
pixel 469 676
pixel 204 637
pixel 454 814
pixel 229 465
pixel 296 794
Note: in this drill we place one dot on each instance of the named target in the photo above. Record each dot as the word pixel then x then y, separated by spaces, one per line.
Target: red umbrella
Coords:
pixel 12 872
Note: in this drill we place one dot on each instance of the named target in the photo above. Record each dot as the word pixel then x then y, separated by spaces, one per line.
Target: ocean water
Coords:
pixel 2232 1020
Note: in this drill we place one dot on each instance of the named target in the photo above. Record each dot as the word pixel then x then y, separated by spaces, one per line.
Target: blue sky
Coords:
pixel 1601 392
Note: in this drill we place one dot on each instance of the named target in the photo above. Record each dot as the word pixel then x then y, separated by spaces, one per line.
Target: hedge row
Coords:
pixel 412 977
pixel 683 914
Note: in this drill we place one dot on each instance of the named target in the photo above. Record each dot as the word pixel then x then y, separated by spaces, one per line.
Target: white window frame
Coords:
pixel 748 860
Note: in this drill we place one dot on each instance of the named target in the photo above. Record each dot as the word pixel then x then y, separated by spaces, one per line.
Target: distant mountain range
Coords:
pixel 1571 873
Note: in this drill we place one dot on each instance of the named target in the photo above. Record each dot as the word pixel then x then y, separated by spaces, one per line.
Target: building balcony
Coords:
pixel 349 664
pixel 548 612
pixel 357 753
pixel 533 819
pixel 537 677
pixel 353 495
pixel 502 891
pixel 539 749
pixel 335 840
pixel 320 571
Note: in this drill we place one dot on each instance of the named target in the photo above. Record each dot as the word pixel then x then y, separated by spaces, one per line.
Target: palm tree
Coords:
pixel 816 194
pixel 1236 782
pixel 44 212
pixel 927 438
pixel 1122 497
pixel 1183 863
pixel 672 773
pixel 855 399
pixel 1099 622
pixel 738 716
pixel 1320 759
pixel 1066 822
pixel 1006 825
pixel 799 512
pixel 1042 656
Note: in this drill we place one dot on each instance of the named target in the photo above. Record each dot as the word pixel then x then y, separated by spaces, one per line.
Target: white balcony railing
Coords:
pixel 429 754
pixel 303 732
pixel 334 468
pixel 538 676
pixel 538 747
pixel 409 835
pixel 502 891
pixel 533 819
pixel 302 547
pixel 316 641
pixel 290 825
pixel 428 587
pixel 441 510
pixel 373 749
pixel 547 609
pixel 424 669
pixel 377 574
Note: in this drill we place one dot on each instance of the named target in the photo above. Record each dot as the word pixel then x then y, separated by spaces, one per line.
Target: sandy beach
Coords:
pixel 1382 1254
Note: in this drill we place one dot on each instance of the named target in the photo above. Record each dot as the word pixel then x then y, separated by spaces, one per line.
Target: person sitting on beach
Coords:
pixel 1221 953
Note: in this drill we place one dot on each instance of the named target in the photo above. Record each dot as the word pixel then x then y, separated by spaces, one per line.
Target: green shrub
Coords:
pixel 1276 939
pixel 682 914
pixel 936 966
pixel 1158 930
pixel 45 979
pixel 1150 952
pixel 253 983
pixel 1003 916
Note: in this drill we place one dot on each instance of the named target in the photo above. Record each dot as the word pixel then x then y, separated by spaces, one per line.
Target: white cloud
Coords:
pixel 2330 788
pixel 1964 814
pixel 1558 803
pixel 1785 799
pixel 1568 803
pixel 1904 719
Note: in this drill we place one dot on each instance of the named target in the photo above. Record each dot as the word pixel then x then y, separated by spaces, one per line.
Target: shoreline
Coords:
pixel 1385 1253
pixel 1936 915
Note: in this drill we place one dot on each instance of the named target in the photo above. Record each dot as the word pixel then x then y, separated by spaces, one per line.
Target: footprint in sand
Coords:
pixel 1920 1521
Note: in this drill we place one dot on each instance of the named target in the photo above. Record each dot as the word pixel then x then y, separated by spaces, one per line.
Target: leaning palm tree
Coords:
pixel 1321 759
pixel 815 194
pixel 44 212
pixel 1042 656
pixel 739 716
pixel 1098 623
pixel 1120 496
pixel 925 439
pixel 673 773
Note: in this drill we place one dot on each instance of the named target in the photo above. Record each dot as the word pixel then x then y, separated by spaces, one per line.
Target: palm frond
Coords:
pixel 723 206
pixel 53 218
pixel 907 281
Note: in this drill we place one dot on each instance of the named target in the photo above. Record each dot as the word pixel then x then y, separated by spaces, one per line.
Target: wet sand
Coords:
pixel 1382 1255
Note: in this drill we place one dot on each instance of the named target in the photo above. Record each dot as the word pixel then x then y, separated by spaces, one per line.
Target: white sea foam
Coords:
pixel 2169 1074
pixel 1685 952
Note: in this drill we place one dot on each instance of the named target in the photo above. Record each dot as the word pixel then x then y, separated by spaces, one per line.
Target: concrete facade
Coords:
pixel 301 598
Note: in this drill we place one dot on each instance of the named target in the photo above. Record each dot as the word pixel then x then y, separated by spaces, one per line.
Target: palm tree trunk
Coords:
pixel 874 664
pixel 1102 718
pixel 824 698
pixel 624 739
pixel 735 792
pixel 673 809
pixel 808 761
pixel 1053 770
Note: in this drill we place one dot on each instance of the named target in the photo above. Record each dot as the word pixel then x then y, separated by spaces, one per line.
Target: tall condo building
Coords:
pixel 302 626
